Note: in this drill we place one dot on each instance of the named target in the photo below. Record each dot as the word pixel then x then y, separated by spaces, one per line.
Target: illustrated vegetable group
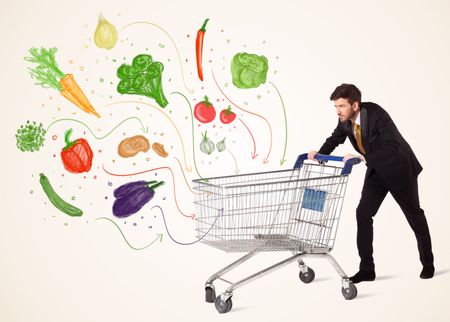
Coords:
pixel 76 155
pixel 132 196
pixel 204 111
pixel 105 35
pixel 47 74
pixel 142 77
pixel 249 70
pixel 199 49
pixel 56 200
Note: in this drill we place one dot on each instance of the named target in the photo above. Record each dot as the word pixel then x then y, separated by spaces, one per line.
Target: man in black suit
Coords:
pixel 391 167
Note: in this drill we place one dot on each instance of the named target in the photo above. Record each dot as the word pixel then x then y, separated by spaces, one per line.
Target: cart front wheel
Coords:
pixel 223 307
pixel 350 292
pixel 307 277
pixel 210 294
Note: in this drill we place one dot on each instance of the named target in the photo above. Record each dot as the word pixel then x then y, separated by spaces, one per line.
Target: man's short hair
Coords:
pixel 348 91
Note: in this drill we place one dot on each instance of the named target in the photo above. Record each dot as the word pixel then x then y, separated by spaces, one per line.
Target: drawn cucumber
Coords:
pixel 56 200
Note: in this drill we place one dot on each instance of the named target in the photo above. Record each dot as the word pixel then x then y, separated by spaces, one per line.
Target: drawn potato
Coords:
pixel 159 149
pixel 129 147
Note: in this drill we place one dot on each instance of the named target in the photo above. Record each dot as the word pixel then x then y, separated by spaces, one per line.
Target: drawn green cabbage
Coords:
pixel 249 70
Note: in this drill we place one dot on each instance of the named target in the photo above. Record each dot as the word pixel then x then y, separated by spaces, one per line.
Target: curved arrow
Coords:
pixel 266 159
pixel 144 129
pixel 283 160
pixel 192 216
pixel 220 212
pixel 188 169
pixel 185 179
pixel 192 125
pixel 173 42
pixel 236 170
pixel 254 154
pixel 159 236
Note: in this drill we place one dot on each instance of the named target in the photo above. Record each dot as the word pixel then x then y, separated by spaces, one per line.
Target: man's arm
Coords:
pixel 337 137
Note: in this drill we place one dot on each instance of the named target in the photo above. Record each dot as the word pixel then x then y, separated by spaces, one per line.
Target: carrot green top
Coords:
pixel 47 72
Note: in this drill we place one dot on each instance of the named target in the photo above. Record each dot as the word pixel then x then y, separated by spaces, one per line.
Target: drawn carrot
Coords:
pixel 48 74
pixel 199 49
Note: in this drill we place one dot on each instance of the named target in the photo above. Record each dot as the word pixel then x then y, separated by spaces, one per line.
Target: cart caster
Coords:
pixel 223 306
pixel 210 294
pixel 350 292
pixel 307 277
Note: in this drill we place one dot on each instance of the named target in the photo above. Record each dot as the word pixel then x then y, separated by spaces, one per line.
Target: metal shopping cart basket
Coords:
pixel 295 210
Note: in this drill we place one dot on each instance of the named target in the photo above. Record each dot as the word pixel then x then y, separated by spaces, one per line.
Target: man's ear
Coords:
pixel 355 106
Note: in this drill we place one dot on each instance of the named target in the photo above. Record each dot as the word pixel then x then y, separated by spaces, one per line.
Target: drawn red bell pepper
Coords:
pixel 76 155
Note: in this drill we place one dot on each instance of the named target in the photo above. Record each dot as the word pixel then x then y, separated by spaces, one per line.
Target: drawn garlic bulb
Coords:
pixel 207 146
pixel 221 146
pixel 105 35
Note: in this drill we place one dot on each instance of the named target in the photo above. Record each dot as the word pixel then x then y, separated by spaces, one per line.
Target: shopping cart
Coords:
pixel 294 210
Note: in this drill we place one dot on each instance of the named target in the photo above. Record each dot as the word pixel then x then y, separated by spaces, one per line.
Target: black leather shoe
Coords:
pixel 427 272
pixel 363 276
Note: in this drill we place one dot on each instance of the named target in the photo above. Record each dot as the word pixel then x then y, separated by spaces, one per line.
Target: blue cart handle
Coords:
pixel 346 170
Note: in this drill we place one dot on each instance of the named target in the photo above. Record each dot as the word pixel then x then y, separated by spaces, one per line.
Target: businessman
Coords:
pixel 391 167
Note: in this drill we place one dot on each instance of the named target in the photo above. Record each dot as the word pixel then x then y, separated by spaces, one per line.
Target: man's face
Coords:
pixel 345 110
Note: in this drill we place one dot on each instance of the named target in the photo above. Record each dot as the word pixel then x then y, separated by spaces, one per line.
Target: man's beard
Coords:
pixel 349 118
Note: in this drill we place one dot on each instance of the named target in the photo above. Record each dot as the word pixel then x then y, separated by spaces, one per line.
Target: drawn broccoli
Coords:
pixel 143 77
pixel 249 70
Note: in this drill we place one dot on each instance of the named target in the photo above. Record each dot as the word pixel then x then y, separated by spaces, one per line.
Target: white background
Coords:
pixel 57 268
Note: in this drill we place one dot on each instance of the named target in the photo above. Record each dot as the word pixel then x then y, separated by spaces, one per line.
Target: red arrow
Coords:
pixel 266 159
pixel 254 154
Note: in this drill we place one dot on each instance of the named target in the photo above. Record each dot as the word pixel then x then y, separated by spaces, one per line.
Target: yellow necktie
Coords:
pixel 358 138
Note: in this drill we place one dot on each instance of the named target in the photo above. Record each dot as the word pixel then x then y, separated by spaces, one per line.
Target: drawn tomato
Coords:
pixel 204 111
pixel 227 116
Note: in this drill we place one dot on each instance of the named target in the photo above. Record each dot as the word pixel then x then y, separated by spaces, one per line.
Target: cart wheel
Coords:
pixel 210 294
pixel 307 277
pixel 350 292
pixel 223 307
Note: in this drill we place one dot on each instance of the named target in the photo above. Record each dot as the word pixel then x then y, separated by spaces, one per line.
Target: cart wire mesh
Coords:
pixel 286 210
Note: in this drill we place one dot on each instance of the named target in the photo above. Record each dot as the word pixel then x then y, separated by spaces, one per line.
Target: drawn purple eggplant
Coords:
pixel 132 196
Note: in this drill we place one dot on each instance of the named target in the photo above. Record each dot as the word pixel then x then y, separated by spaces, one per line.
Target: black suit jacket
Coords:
pixel 387 152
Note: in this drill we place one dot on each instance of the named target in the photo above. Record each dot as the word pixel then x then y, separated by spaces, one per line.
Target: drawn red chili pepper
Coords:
pixel 76 155
pixel 199 49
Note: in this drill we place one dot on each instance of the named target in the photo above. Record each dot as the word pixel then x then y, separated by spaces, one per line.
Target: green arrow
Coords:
pixel 192 123
pixel 283 160
pixel 142 128
pixel 158 236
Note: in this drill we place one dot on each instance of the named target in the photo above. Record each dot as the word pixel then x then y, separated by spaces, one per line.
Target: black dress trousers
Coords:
pixel 373 193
